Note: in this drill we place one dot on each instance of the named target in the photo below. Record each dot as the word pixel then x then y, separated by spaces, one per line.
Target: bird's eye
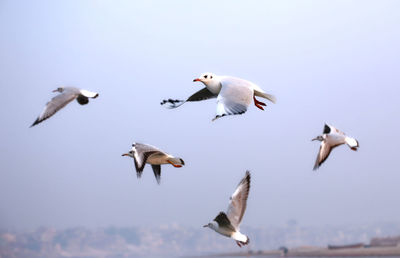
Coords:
pixel 205 76
pixel 210 76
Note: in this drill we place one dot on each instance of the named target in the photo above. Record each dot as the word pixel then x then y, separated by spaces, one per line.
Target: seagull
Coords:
pixel 234 95
pixel 330 139
pixel 67 94
pixel 227 224
pixel 144 153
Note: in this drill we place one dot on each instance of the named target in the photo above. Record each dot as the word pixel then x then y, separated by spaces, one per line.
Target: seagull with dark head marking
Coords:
pixel 234 95
pixel 330 139
pixel 144 153
pixel 227 224
pixel 67 94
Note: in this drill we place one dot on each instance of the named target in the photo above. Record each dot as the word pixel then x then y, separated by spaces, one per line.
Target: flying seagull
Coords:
pixel 67 94
pixel 227 224
pixel 144 153
pixel 330 139
pixel 234 95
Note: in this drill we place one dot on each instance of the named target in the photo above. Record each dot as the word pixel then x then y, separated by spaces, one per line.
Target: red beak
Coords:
pixel 197 80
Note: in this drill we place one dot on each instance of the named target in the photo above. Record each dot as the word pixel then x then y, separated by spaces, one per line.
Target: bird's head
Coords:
pixel 209 79
pixel 212 225
pixel 59 89
pixel 129 154
pixel 318 138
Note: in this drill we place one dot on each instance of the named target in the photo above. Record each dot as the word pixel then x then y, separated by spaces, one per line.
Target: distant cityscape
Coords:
pixel 176 240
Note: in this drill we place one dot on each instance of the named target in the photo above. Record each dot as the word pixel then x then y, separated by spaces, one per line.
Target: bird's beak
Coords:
pixel 125 154
pixel 197 80
pixel 55 90
pixel 316 138
pixel 205 226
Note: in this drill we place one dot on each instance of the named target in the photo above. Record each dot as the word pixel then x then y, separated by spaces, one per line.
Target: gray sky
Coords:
pixel 335 62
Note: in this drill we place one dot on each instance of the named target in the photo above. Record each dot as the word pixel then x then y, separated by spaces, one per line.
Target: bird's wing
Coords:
pixel 157 172
pixel 238 201
pixel 140 159
pixel 353 143
pixel 327 129
pixel 84 96
pixel 55 104
pixel 82 99
pixel 141 152
pixel 233 99
pixel 324 151
pixel 89 94
pixel 140 147
pixel 202 94
pixel 223 222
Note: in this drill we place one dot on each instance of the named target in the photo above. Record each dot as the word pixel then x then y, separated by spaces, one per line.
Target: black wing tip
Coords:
pixel 327 129
pixel 247 176
pixel 228 114
pixel 139 170
pixel 157 172
pixel 37 121
pixel 171 101
pixel 83 100
pixel 183 162
pixel 222 213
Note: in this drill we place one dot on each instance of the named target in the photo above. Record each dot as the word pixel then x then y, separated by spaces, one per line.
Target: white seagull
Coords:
pixel 234 95
pixel 330 139
pixel 67 94
pixel 228 223
pixel 144 153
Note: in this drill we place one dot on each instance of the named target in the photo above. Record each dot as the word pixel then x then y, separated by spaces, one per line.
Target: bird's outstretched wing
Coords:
pixel 323 154
pixel 202 94
pixel 223 221
pixel 238 201
pixel 157 172
pixel 55 104
pixel 233 99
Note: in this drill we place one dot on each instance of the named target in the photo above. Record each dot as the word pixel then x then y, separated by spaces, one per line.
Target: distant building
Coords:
pixel 385 241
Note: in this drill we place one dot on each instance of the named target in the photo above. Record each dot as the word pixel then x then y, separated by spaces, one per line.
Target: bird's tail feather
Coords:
pixel 266 96
pixel 352 143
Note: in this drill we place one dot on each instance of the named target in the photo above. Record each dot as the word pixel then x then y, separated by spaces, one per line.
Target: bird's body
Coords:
pixel 331 138
pixel 227 224
pixel 144 153
pixel 234 95
pixel 67 94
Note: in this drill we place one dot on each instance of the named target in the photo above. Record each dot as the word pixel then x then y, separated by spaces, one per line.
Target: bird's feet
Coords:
pixel 259 104
pixel 238 243
pixel 175 165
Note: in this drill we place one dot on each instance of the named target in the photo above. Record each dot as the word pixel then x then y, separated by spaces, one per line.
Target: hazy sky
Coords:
pixel 325 61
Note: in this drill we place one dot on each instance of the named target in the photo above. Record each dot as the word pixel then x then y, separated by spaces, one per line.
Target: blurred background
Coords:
pixel 335 62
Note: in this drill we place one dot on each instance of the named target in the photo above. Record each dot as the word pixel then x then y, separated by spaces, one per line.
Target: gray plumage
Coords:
pixel 145 153
pixel 330 139
pixel 67 94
